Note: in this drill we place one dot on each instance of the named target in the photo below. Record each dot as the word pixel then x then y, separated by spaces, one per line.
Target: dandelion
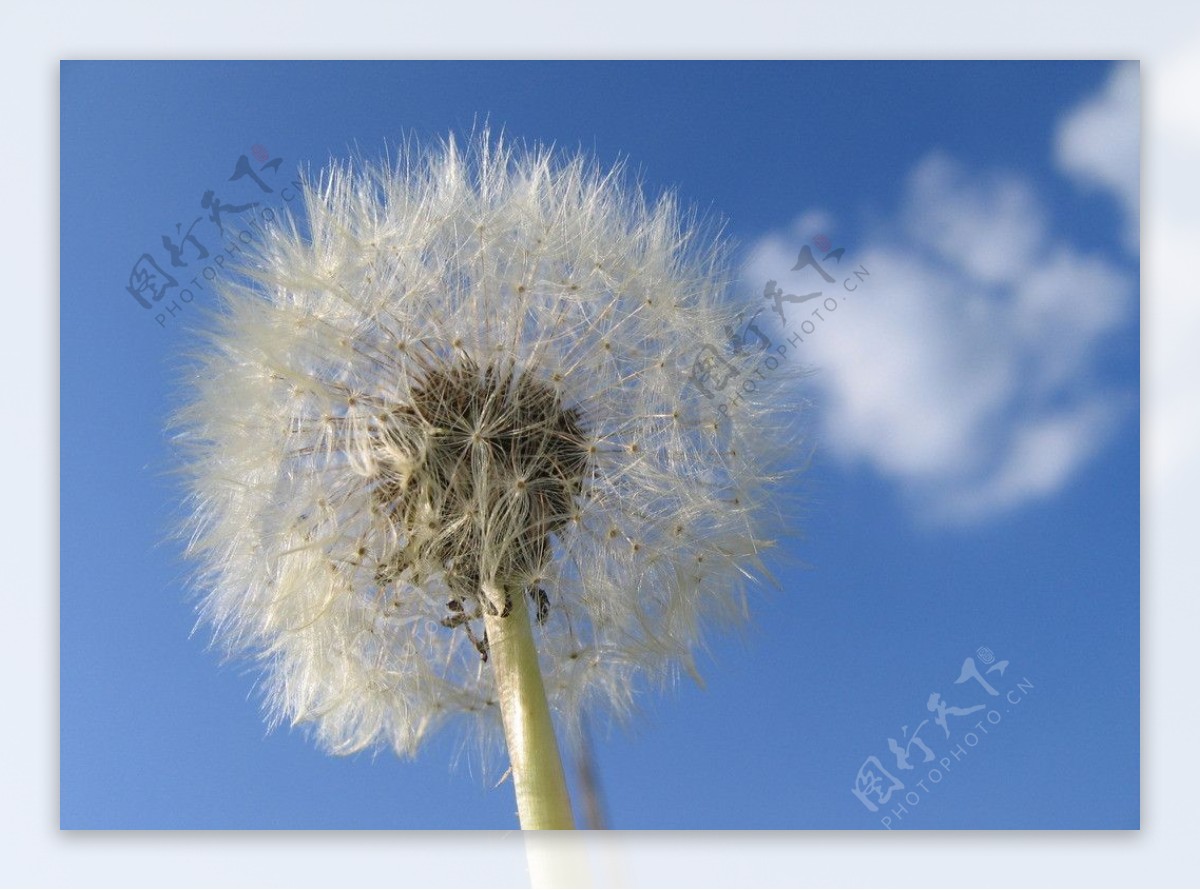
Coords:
pixel 466 442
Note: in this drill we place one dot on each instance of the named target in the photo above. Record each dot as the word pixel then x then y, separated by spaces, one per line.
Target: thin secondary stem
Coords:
pixel 537 770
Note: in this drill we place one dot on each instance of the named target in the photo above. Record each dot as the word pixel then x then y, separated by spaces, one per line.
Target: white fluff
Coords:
pixel 510 257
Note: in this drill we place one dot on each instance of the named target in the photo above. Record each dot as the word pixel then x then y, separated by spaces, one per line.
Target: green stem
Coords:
pixel 537 771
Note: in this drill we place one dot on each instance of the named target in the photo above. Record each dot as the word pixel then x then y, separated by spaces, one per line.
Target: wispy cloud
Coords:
pixel 1098 143
pixel 966 373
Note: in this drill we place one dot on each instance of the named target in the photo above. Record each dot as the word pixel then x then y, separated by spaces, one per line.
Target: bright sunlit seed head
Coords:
pixel 462 374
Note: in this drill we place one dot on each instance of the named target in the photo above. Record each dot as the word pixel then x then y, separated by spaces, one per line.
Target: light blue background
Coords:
pixel 157 734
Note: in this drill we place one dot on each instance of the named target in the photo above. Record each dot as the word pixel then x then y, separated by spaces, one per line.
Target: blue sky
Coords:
pixel 975 485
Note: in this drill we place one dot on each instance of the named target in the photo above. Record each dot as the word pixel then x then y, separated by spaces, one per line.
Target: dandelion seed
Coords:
pixel 461 396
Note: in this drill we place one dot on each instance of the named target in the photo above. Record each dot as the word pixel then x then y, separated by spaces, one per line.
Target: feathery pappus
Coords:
pixel 460 378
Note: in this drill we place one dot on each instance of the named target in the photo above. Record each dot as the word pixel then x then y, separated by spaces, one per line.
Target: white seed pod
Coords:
pixel 495 370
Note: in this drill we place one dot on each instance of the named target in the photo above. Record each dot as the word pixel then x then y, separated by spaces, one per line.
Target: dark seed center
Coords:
pixel 482 461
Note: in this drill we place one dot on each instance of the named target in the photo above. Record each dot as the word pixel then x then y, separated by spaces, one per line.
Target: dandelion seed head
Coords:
pixel 461 373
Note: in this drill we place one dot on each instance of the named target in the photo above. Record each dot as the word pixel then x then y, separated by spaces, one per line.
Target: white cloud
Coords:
pixel 963 368
pixel 1098 143
pixel 1042 453
pixel 988 226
